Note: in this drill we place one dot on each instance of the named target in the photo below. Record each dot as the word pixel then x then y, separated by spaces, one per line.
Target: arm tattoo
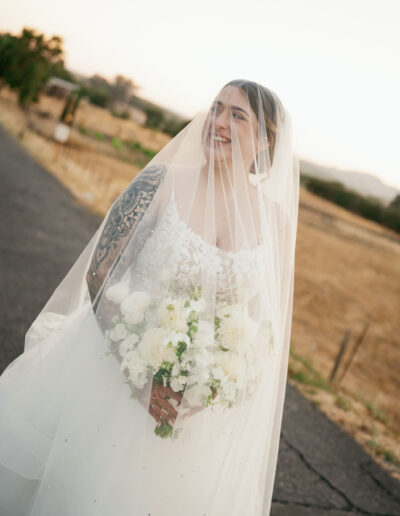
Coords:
pixel 127 211
pixel 125 214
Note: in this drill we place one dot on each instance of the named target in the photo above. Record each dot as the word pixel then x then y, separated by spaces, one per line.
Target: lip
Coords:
pixel 221 136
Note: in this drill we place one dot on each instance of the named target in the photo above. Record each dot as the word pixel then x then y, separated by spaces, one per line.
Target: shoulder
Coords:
pixel 139 193
pixel 148 179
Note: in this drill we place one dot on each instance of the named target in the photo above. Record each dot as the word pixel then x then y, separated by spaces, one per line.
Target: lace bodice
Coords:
pixel 175 251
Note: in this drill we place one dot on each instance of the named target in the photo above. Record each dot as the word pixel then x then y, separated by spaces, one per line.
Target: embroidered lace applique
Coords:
pixel 175 250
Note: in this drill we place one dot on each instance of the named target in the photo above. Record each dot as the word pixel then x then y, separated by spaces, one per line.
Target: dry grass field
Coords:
pixel 347 273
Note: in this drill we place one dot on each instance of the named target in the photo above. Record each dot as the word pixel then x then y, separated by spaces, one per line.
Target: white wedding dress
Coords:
pixel 74 443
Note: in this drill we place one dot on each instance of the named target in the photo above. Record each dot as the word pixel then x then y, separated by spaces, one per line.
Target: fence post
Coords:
pixel 340 355
pixel 355 348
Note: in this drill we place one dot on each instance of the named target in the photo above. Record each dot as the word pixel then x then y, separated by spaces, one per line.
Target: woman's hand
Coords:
pixel 162 409
pixel 159 406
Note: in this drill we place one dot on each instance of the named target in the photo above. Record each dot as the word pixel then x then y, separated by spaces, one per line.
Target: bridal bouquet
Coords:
pixel 171 339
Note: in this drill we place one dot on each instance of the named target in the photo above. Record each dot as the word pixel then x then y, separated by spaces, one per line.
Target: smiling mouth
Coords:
pixel 221 139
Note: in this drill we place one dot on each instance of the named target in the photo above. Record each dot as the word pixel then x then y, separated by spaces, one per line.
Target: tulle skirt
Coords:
pixel 74 442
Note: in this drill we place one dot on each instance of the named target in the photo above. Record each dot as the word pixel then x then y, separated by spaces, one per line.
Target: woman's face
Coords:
pixel 230 107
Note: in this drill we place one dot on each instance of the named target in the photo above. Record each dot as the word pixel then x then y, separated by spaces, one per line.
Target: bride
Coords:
pixel 153 381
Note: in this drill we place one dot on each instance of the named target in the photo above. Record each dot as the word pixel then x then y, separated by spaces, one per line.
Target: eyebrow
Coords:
pixel 233 107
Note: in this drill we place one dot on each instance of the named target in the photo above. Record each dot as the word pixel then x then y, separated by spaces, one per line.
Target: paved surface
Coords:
pixel 321 470
pixel 42 232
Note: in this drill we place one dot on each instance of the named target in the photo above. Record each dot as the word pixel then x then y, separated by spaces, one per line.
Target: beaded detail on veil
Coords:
pixel 175 243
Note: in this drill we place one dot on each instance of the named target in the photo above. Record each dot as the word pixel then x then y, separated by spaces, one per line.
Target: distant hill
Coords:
pixel 142 103
pixel 362 182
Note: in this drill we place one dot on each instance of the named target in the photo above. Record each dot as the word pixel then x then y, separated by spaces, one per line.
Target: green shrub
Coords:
pixel 97 96
pixel 124 114
pixel 368 207
pixel 117 144
pixel 99 136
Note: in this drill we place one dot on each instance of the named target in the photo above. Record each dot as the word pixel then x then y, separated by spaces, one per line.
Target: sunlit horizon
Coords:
pixel 331 63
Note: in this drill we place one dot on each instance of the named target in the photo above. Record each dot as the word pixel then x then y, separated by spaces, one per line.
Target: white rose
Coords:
pixel 237 332
pixel 153 349
pixel 134 306
pixel 118 292
pixel 119 332
pixel 128 344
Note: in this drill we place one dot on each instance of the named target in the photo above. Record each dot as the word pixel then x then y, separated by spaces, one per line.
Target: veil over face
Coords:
pixel 190 281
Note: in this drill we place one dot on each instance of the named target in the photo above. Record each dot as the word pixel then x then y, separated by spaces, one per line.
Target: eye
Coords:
pixel 239 116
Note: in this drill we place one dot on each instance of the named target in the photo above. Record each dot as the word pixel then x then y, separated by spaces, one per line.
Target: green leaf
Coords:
pixel 164 430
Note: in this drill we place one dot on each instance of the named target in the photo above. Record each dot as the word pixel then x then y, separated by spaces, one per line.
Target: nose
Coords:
pixel 222 119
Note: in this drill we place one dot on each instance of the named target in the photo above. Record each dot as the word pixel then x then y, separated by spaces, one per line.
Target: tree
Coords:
pixel 97 96
pixel 395 203
pixel 102 92
pixel 155 117
pixel 28 61
pixel 122 88
pixel 97 81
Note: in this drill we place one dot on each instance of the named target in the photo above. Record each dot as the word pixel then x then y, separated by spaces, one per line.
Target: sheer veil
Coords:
pixel 187 283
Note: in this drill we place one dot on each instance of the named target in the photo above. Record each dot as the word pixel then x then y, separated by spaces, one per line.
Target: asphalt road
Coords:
pixel 321 470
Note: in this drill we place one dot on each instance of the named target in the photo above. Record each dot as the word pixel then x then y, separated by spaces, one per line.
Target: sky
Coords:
pixel 333 63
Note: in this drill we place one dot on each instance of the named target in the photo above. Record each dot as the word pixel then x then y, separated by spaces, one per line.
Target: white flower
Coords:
pixel 232 365
pixel 153 349
pixel 230 390
pixel 119 332
pixel 137 368
pixel 118 292
pixel 172 313
pixel 199 374
pixel 134 306
pixel 202 356
pixel 178 383
pixel 225 310
pixel 128 344
pixel 237 331
pixel 197 394
pixel 177 336
pixel 204 335
pixel 197 306
pixel 218 373
pixel 186 360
